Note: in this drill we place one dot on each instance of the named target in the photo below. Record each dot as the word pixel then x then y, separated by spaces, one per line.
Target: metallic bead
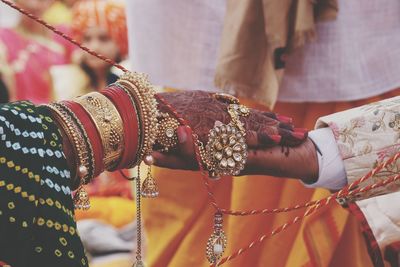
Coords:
pixel 83 171
pixel 148 160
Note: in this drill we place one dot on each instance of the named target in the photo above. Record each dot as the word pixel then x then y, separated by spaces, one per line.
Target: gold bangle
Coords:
pixel 138 109
pixel 108 123
pixel 75 132
pixel 139 86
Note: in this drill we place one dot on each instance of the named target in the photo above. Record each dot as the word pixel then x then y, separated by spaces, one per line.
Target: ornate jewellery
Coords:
pixel 109 124
pixel 166 135
pixel 227 98
pixel 226 151
pixel 217 242
pixel 139 87
pixel 149 187
pixel 82 148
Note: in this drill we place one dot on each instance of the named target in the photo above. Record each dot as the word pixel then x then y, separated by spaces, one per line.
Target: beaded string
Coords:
pixel 312 206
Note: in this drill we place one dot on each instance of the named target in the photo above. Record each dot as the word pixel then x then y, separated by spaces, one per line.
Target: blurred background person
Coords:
pixel 29 50
pixel 101 26
pixel 352 61
pixel 59 12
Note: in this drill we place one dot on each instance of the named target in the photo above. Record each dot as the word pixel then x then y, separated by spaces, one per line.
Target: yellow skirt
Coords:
pixel 179 222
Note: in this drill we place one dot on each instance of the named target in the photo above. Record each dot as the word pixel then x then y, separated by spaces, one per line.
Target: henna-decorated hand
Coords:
pixel 202 110
pixel 270 137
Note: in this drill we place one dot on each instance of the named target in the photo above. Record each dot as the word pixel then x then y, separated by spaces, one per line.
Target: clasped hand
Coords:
pixel 275 146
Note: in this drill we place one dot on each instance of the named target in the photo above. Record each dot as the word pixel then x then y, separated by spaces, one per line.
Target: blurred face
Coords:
pixel 97 39
pixel 36 7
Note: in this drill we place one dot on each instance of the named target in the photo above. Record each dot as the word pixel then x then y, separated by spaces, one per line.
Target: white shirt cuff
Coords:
pixel 332 174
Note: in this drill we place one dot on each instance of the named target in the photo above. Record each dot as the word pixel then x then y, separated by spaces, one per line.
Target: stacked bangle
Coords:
pixel 125 107
pixel 139 87
pixel 110 130
pixel 108 122
pixel 82 148
pixel 92 133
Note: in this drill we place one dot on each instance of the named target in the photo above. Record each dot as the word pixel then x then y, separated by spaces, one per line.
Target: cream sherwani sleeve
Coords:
pixel 367 136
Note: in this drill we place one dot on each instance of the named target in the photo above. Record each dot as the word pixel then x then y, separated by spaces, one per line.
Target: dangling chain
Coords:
pixel 139 262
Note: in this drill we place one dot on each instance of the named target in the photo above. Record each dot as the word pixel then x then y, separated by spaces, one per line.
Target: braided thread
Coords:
pixel 297 219
pixel 313 205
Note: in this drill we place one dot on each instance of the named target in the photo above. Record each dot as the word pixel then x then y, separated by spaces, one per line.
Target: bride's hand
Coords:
pixel 202 110
pixel 269 138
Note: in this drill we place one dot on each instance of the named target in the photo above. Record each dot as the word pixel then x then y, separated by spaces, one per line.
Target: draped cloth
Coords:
pixel 255 37
pixel 184 219
pixel 37 225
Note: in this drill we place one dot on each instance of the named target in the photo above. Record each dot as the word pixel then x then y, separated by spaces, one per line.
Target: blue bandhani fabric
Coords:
pixel 37 226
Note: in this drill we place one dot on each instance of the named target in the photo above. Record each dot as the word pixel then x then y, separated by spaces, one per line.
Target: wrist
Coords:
pixel 311 164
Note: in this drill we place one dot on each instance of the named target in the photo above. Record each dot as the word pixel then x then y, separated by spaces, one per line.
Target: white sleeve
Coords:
pixel 332 174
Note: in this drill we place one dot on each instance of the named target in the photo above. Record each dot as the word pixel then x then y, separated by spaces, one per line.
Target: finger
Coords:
pixel 284 119
pixel 269 114
pixel 262 139
pixel 186 144
pixel 172 162
pixel 290 138
pixel 286 126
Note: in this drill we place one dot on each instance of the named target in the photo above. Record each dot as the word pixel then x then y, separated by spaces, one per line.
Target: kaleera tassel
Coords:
pixel 81 199
pixel 149 187
pixel 217 242
pixel 138 263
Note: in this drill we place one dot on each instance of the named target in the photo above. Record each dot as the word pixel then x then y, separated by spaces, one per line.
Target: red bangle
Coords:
pixel 92 132
pixel 128 114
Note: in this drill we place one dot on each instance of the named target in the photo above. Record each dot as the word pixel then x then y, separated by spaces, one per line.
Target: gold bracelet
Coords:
pixel 139 118
pixel 108 123
pixel 139 86
pixel 82 148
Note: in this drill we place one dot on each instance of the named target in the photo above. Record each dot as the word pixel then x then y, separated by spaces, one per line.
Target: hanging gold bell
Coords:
pixel 81 199
pixel 149 186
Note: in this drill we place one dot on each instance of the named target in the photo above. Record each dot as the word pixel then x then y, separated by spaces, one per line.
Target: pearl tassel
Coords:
pixel 217 242
pixel 149 188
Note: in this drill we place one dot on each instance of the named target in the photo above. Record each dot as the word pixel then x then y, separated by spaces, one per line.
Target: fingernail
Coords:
pixel 270 114
pixel 300 130
pixel 276 138
pixel 182 134
pixel 188 130
pixel 284 119
pixel 298 135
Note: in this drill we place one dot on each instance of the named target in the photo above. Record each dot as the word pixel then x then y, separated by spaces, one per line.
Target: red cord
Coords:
pixel 313 205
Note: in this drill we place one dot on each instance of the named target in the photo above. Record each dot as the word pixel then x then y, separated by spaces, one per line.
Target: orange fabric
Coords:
pixel 116 211
pixel 109 14
pixel 179 223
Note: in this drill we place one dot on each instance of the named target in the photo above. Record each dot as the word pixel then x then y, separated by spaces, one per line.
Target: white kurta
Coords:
pixel 354 57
